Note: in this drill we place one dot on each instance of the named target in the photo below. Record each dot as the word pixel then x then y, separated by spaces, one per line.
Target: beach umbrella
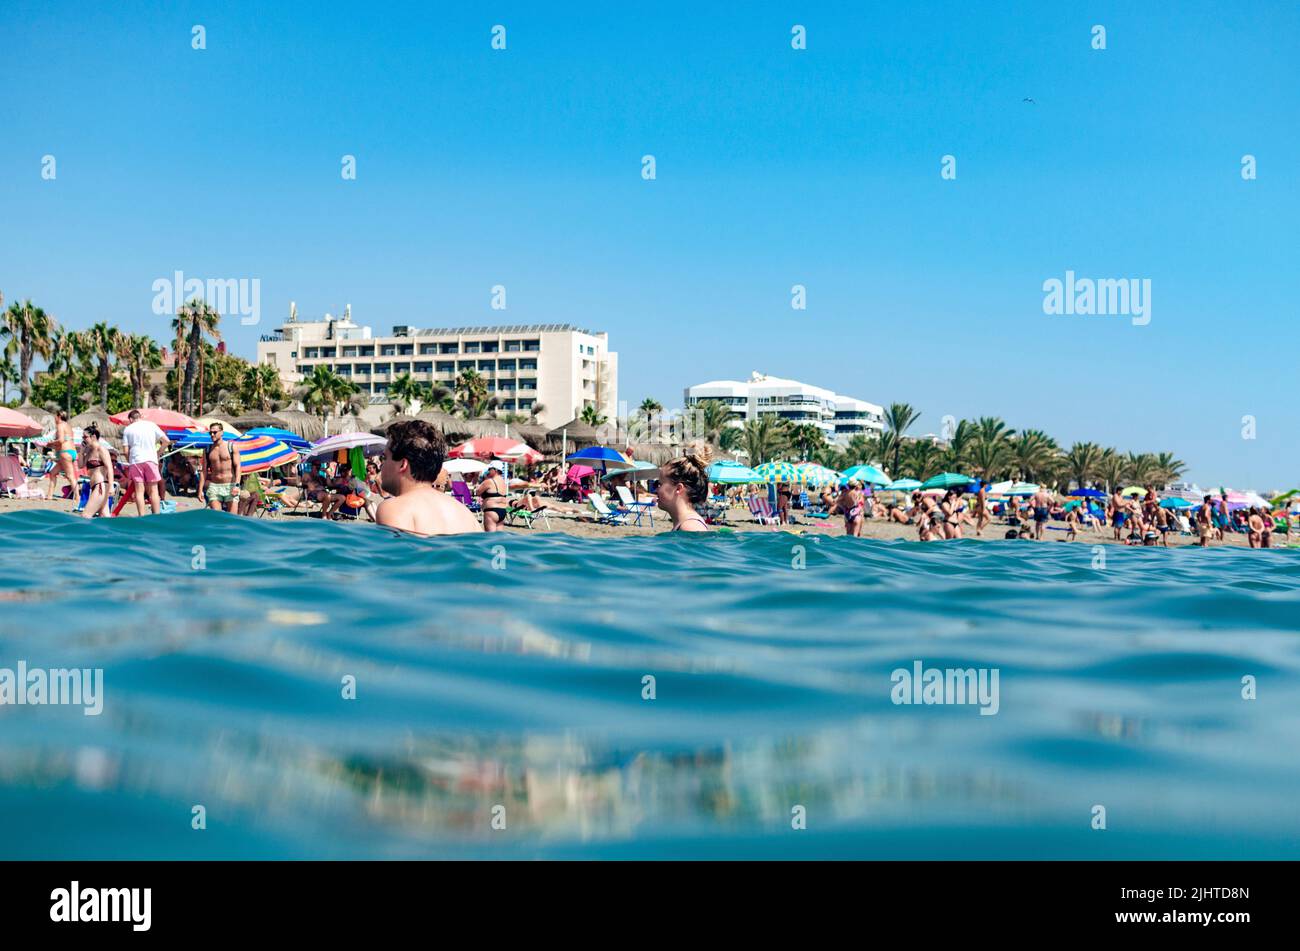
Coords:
pixel 292 440
pixel 1133 490
pixel 603 456
pixel 902 485
pixel 578 472
pixel 780 472
pixel 165 419
pixel 1088 494
pixel 464 466
pixel 1000 488
pixel 945 480
pixel 1176 503
pixel 868 474
pixel 1280 500
pixel 640 470
pixel 16 425
pixel 369 442
pixel 732 473
pixel 258 453
pixel 818 475
pixel 486 447
pixel 1022 488
pixel 227 428
pixel 522 454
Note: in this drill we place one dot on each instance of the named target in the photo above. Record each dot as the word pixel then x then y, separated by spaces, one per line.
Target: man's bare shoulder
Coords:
pixel 427 512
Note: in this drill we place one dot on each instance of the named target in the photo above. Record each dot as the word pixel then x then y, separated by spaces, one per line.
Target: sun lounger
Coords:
pixel 606 515
pixel 632 505
pixel 761 511
pixel 460 491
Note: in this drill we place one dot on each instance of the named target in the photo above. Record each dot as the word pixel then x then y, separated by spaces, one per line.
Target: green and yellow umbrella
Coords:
pixel 780 472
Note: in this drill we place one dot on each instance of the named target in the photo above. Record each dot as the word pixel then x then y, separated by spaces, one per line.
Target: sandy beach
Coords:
pixel 740 520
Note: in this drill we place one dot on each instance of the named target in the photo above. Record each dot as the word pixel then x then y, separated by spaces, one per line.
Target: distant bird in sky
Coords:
pixel 1030 101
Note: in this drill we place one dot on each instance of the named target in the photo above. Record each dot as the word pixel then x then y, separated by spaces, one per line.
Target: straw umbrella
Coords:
pixel 101 421
pixel 308 425
pixel 259 421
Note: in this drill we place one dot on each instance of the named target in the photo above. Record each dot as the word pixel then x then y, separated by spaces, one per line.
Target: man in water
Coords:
pixel 1041 503
pixel 414 458
pixel 142 438
pixel 220 471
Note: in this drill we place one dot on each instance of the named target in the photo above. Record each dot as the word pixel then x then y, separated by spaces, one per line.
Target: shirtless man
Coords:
pixel 414 458
pixel 1205 522
pixel 220 471
pixel 982 517
pixel 65 449
pixel 1041 503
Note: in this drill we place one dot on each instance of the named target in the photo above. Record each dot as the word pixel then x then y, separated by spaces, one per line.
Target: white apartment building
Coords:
pixel 840 417
pixel 558 366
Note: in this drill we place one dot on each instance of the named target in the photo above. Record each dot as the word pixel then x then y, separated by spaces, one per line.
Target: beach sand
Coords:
pixel 740 520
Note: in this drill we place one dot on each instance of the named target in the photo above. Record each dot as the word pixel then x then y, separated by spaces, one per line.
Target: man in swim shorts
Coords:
pixel 219 475
pixel 1041 503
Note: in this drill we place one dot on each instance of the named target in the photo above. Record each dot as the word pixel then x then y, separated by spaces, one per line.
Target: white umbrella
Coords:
pixel 371 443
pixel 462 466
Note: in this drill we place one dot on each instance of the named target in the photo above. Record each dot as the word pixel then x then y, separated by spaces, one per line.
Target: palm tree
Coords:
pixel 648 408
pixel 8 374
pixel 765 438
pixel 922 459
pixel 993 429
pixel 1033 452
pixel 898 418
pixel 989 458
pixel 139 353
pixel 711 419
pixel 1083 462
pixel 806 438
pixel 1168 468
pixel 323 389
pixel 1140 467
pixel 592 417
pixel 66 351
pixel 1112 469
pixel 955 457
pixel 862 450
pixel 260 386
pixel 103 342
pixel 472 397
pixel 28 329
pixel 195 320
pixel 534 411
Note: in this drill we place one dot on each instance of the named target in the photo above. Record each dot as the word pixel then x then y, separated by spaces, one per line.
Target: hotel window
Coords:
pixel 446 366
pixel 492 347
pixel 506 385
pixel 401 368
pixel 532 346
pixel 528 383
pixel 472 347
pixel 449 348
pixel 513 346
pixel 428 348
pixel 506 365
pixel 528 364
pixel 526 404
pixel 487 365
pixel 424 368
pixel 349 351
pixel 361 368
pixel 381 368
pixel 492 386
pixel 366 352
pixel 405 349
pixel 508 404
pixel 311 352
pixel 344 369
pixel 467 364
pixel 388 350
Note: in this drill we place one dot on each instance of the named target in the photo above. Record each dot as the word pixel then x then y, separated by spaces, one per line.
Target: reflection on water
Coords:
pixel 517 694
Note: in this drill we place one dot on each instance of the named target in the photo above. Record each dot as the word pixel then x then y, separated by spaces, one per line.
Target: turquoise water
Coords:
pixel 512 677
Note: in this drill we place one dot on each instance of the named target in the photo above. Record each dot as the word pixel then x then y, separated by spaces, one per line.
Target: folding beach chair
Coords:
pixel 632 505
pixel 606 515
pixel 761 511
pixel 527 516
pixel 460 491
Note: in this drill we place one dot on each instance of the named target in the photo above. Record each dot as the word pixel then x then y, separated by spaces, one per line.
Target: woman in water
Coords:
pixel 99 467
pixel 492 492
pixel 684 484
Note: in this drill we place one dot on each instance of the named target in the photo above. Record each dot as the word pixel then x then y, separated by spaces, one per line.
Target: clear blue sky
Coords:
pixel 775 167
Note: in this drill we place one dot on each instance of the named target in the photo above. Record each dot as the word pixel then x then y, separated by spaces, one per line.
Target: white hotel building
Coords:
pixel 840 417
pixel 561 367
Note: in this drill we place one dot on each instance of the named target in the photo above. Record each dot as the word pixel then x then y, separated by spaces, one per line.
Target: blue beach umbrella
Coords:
pixel 733 473
pixel 601 456
pixel 902 485
pixel 1088 494
pixel 292 440
pixel 946 480
pixel 868 474
pixel 1176 504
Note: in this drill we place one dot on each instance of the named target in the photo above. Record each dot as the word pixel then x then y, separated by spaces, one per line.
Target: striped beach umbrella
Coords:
pixel 258 453
pixel 292 440
pixel 780 472
pixel 818 475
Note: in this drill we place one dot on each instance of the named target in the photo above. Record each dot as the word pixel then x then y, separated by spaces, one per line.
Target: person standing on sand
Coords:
pixel 850 504
pixel 142 438
pixel 1041 503
pixel 65 455
pixel 982 517
pixel 416 450
pixel 1205 522
pixel 99 468
pixel 220 471
pixel 1117 512
pixel 492 492
pixel 684 484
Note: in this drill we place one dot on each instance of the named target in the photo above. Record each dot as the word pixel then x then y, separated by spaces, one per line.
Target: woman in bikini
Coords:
pixel 982 517
pixel 99 467
pixel 492 492
pixel 951 509
pixel 850 506
pixel 684 484
pixel 65 455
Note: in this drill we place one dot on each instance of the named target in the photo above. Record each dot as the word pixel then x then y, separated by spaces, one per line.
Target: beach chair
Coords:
pixel 632 505
pixel 527 516
pixel 14 482
pixel 460 491
pixel 762 511
pixel 604 514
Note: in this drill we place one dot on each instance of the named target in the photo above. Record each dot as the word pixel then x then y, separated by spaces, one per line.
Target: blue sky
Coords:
pixel 775 167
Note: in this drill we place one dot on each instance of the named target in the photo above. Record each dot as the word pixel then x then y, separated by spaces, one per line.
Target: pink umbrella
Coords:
pixel 16 425
pixel 579 472
pixel 164 418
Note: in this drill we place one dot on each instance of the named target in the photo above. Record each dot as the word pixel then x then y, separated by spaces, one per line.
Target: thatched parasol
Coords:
pixel 97 416
pixel 382 428
pixel 42 417
pixel 307 425
pixel 258 421
pixel 576 433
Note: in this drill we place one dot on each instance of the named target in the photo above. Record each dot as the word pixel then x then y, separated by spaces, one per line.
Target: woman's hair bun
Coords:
pixel 699 453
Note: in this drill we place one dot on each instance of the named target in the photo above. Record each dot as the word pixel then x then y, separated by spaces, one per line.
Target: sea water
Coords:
pixel 298 689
